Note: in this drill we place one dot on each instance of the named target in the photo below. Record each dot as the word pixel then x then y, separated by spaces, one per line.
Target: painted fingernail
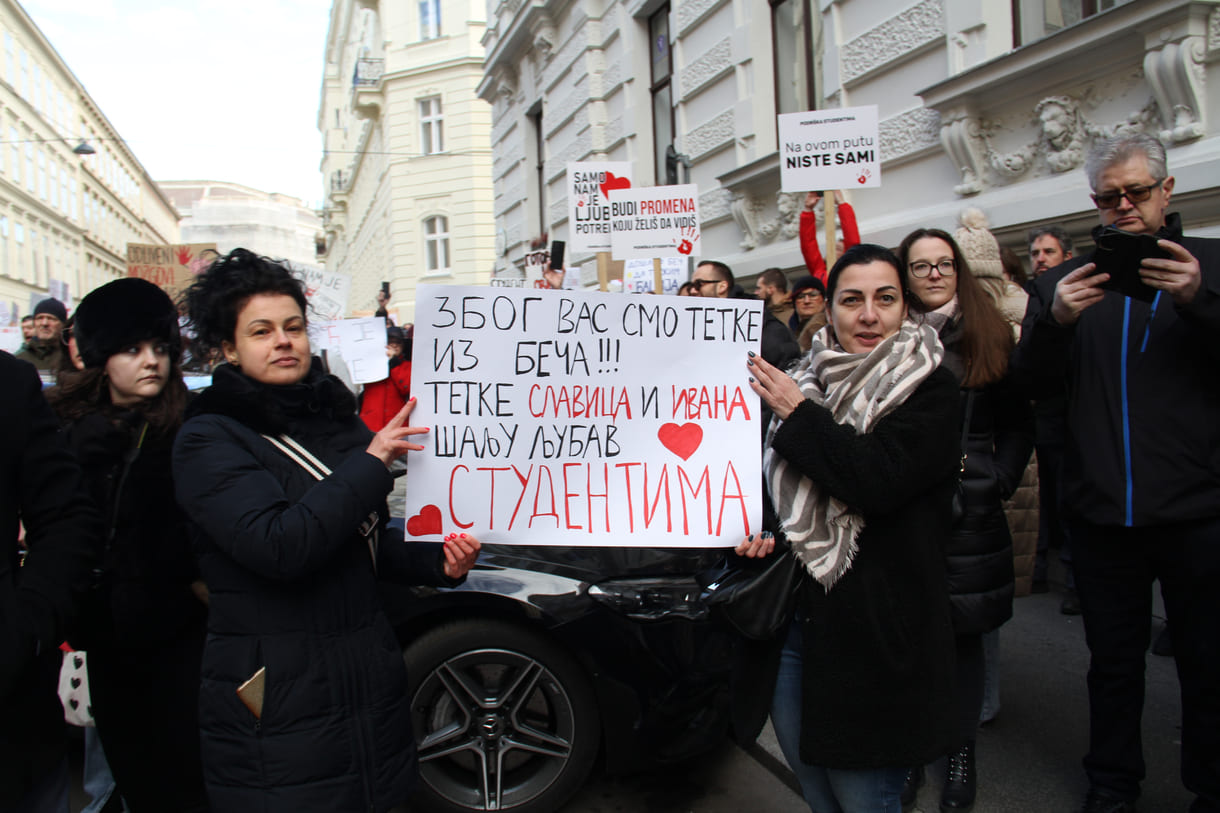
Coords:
pixel 463 536
pixel 751 379
pixel 750 353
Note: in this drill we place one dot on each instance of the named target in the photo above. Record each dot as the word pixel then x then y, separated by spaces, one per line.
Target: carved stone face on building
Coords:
pixel 1056 126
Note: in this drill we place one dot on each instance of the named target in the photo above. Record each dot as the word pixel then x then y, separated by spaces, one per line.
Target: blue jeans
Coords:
pixel 827 790
pixel 96 778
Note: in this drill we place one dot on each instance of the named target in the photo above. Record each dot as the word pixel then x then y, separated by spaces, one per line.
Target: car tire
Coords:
pixel 504 719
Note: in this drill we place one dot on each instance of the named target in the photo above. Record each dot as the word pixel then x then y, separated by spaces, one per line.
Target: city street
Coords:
pixel 1029 758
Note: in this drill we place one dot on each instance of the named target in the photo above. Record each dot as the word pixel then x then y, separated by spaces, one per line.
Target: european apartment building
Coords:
pixel 233 215
pixel 990 103
pixel 65 217
pixel 406 151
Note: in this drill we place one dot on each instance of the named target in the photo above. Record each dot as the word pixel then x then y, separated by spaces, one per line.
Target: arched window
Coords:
pixel 436 245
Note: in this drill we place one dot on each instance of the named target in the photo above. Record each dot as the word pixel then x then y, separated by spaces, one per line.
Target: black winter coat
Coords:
pixel 40 486
pixel 142 625
pixel 978 553
pixel 877 670
pixel 145 592
pixel 1143 438
pixel 293 591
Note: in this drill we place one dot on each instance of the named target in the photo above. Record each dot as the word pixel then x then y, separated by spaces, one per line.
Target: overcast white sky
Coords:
pixel 221 90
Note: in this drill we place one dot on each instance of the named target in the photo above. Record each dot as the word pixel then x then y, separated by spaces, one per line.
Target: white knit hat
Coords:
pixel 979 245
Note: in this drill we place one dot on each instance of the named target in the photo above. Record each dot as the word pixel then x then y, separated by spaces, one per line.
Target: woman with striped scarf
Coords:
pixel 861 464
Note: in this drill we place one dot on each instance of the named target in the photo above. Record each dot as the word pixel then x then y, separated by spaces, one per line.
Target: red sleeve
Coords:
pixel 809 246
pixel 401 376
pixel 851 230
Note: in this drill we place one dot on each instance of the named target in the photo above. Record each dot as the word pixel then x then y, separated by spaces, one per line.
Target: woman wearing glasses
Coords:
pixel 996 427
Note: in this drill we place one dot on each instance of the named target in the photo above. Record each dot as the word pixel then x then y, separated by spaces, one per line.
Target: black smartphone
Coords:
pixel 1120 254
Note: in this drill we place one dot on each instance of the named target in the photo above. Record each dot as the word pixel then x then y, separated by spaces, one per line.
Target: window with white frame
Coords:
pixel 10 70
pixel 19 239
pixel 4 245
pixel 24 86
pixel 14 138
pixel 431 126
pixel 429 19
pixel 42 175
pixel 1035 19
pixel 436 244
pixel 30 177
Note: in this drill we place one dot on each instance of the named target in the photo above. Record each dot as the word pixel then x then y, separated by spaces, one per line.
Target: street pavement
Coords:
pixel 1028 758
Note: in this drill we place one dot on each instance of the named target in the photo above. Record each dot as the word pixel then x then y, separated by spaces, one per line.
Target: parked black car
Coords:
pixel 548 656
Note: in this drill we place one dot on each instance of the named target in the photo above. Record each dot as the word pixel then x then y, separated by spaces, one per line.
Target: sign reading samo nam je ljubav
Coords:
pixel 590 184
pixel 829 149
pixel 584 418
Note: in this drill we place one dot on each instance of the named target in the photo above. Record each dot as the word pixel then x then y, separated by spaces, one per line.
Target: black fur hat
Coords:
pixel 122 313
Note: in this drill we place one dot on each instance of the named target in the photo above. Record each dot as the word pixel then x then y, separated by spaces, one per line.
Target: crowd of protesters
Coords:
pixel 215 556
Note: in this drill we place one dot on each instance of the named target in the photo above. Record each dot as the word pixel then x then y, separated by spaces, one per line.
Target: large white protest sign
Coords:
pixel 590 184
pixel 327 291
pixel 584 418
pixel 829 149
pixel 640 277
pixel 655 221
pixel 360 342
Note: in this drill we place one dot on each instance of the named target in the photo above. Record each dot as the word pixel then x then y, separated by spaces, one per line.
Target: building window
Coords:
pixel 1035 19
pixel 429 19
pixel 436 244
pixel 53 183
pixel 24 87
pixel 431 135
pixel 19 238
pixel 14 138
pixel 4 245
pixel 662 92
pixel 29 166
pixel 42 175
pixel 10 71
pixel 792 37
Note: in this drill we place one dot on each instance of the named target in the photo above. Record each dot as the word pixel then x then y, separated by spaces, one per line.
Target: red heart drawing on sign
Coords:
pixel 681 440
pixel 427 521
pixel 613 182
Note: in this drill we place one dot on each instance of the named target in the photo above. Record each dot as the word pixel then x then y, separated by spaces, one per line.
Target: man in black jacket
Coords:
pixel 714 279
pixel 41 488
pixel 1141 472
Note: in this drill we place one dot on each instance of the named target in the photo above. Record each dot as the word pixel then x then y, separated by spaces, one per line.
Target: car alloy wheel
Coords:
pixel 503 718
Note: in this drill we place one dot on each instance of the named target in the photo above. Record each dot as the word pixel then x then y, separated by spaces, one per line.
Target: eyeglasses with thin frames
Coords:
pixel 1135 194
pixel 809 295
pixel 947 268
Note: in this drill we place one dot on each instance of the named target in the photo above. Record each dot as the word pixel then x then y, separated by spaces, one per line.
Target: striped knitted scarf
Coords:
pixel 859 389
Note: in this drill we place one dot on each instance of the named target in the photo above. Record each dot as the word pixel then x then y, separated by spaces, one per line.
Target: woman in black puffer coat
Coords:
pixel 998 441
pixel 142 625
pixel 291 561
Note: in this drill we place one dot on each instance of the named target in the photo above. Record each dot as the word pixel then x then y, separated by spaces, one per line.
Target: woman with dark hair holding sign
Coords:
pixel 303 702
pixel 860 462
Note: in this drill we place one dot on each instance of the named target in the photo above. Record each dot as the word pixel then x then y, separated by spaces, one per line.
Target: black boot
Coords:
pixel 910 788
pixel 959 781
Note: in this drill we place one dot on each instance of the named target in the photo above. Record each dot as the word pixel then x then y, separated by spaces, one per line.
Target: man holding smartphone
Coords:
pixel 1141 472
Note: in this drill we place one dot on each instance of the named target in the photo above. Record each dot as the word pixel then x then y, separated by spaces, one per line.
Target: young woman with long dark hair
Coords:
pixel 997 424
pixel 144 619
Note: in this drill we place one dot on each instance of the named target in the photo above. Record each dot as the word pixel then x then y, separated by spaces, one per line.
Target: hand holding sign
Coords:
pixel 389 444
